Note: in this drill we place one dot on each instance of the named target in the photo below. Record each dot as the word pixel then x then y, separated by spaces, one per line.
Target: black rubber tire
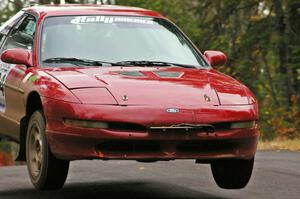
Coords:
pixel 52 172
pixel 232 173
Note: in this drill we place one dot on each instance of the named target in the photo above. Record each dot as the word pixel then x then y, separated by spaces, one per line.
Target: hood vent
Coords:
pixel 166 74
pixel 132 73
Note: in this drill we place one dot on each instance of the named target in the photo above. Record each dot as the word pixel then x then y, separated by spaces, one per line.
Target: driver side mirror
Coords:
pixel 17 56
pixel 215 58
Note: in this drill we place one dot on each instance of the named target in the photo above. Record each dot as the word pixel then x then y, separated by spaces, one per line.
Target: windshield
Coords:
pixel 115 39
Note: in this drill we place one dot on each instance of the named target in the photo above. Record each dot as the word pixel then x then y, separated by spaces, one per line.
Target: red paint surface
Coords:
pixel 18 56
pixel 215 58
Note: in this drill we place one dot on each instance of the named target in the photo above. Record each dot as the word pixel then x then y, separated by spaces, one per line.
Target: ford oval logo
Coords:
pixel 172 110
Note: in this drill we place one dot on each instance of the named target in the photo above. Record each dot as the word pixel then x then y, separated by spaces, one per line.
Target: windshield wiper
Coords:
pixel 77 61
pixel 88 62
pixel 151 63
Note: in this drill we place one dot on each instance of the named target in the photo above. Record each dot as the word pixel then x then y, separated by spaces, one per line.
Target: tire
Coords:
pixel 232 173
pixel 46 172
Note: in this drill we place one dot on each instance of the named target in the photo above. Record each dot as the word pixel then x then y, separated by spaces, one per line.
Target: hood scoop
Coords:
pixel 161 74
pixel 131 73
pixel 167 74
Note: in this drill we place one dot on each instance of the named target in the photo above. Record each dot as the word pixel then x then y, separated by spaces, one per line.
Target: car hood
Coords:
pixel 172 86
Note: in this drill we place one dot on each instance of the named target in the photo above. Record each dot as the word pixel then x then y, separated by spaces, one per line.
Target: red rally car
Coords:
pixel 119 83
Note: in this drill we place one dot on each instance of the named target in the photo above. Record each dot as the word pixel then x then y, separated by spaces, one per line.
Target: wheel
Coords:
pixel 46 172
pixel 232 173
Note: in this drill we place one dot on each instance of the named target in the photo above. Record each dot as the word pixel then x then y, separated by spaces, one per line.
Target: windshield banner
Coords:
pixel 110 19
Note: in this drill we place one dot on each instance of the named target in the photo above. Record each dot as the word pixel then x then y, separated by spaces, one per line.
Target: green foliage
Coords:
pixel 5 147
pixel 261 39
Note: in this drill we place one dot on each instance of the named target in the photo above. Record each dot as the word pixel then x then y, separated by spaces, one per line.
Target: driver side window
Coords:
pixel 22 36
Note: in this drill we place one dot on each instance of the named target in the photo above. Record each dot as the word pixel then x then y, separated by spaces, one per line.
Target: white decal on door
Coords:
pixel 4 71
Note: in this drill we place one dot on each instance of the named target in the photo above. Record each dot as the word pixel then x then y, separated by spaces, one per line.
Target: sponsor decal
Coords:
pixel 33 78
pixel 110 20
pixel 27 77
pixel 30 77
pixel 4 71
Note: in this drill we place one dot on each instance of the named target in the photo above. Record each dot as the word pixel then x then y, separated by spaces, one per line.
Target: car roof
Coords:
pixel 73 9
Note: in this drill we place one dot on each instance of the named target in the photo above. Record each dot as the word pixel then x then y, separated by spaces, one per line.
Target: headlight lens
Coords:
pixel 94 96
pixel 242 125
pixel 86 124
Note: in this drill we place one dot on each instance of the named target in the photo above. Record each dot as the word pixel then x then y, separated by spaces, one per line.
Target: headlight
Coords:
pixel 242 125
pixel 94 96
pixel 86 124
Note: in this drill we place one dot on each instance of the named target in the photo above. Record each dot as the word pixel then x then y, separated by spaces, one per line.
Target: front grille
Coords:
pixel 145 146
pixel 177 128
pixel 129 146
pixel 207 146
pixel 184 128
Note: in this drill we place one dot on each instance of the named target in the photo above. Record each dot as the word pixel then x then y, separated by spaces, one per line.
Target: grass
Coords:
pixel 291 145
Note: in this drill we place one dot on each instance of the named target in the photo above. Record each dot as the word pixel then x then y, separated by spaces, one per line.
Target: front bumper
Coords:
pixel 68 142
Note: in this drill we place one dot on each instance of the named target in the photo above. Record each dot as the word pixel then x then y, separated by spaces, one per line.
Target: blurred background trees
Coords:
pixel 260 37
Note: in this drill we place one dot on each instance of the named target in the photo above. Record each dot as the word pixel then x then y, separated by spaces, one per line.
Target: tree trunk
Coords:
pixel 283 51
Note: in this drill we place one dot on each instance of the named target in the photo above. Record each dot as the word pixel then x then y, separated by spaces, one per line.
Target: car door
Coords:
pixel 12 107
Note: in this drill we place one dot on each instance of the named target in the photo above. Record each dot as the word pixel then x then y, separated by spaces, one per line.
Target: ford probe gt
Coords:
pixel 119 83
